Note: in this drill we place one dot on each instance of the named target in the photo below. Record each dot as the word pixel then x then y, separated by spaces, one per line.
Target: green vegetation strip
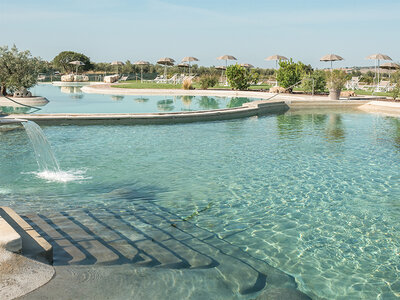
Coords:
pixel 152 85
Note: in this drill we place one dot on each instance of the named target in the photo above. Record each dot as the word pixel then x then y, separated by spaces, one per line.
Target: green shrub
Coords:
pixel 207 81
pixel 290 73
pixel 395 79
pixel 317 78
pixel 240 78
pixel 336 79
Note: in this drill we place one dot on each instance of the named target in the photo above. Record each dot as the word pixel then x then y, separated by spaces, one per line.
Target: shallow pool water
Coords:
pixel 70 99
pixel 314 195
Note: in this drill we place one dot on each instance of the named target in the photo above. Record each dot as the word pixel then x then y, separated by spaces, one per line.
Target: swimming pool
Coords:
pixel 314 195
pixel 70 99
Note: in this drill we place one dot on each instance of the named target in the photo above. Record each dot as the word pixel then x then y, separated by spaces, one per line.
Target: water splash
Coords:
pixel 49 169
pixel 44 156
pixel 62 176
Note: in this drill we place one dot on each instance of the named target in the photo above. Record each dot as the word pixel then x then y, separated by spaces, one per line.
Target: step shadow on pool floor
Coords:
pixel 168 254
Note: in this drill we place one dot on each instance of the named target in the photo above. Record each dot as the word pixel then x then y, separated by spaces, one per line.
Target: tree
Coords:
pixel 290 73
pixel 63 59
pixel 18 70
pixel 240 78
pixel 395 79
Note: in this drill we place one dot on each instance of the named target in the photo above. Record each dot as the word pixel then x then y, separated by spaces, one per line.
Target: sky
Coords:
pixel 249 30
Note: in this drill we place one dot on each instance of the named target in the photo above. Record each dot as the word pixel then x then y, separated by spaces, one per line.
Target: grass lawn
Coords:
pixel 132 84
pixel 362 92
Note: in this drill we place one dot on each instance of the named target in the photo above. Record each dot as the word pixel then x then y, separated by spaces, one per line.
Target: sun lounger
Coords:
pixel 353 84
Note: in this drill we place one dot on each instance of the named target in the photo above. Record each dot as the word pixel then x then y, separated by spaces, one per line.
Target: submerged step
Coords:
pixel 33 245
pixel 10 240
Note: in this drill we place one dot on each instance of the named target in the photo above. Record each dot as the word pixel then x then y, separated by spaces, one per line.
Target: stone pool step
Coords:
pixel 31 244
pixel 10 240
pixel 148 236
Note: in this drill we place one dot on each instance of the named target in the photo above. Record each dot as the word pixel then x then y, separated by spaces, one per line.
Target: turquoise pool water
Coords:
pixel 314 195
pixel 70 99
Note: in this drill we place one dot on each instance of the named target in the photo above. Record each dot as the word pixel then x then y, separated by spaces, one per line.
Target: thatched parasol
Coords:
pixel 377 57
pixel 166 61
pixel 183 65
pixel 277 58
pixel 141 63
pixel 247 66
pixel 77 63
pixel 189 59
pixel 117 63
pixel 390 66
pixel 226 57
pixel 331 58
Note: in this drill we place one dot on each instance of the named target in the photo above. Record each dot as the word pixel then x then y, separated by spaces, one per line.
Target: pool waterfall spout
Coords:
pixel 4 121
pixel 44 155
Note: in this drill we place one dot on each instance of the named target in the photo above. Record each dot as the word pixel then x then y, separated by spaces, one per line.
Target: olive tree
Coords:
pixel 18 70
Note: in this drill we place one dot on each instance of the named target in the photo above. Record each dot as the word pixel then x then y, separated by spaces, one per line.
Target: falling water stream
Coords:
pixel 49 169
pixel 44 155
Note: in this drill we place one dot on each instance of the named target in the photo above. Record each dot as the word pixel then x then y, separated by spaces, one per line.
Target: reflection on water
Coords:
pixel 290 126
pixel 294 126
pixel 165 105
pixel 14 110
pixel 208 103
pixel 141 99
pixel 237 101
pixel 70 89
pixel 334 129
pixel 396 132
pixel 187 100
pixel 117 97
pixel 75 92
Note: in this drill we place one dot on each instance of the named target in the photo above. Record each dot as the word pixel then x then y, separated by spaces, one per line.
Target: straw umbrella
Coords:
pixel 141 63
pixel 166 61
pixel 222 68
pixel 77 63
pixel 189 59
pixel 183 65
pixel 390 66
pixel 377 57
pixel 331 58
pixel 247 66
pixel 226 57
pixel 277 58
pixel 117 63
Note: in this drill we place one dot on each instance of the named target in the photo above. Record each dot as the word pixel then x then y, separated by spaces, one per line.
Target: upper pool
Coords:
pixel 70 99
